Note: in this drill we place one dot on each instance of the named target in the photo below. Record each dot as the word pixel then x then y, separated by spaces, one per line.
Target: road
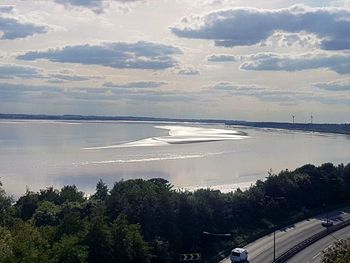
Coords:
pixel 261 250
pixel 313 253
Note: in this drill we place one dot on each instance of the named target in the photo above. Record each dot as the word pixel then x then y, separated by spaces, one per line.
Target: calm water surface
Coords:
pixel 42 153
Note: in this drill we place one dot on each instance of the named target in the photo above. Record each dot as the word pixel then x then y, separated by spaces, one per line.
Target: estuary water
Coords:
pixel 37 154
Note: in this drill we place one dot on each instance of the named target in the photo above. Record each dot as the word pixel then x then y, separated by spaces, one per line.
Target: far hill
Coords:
pixel 311 127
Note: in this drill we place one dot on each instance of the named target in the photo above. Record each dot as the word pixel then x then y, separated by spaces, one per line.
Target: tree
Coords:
pixel 46 214
pixel 6 211
pixel 6 243
pixel 50 194
pixel 147 221
pixel 339 253
pixel 71 223
pixel 29 245
pixel 27 205
pixel 101 191
pixel 346 175
pixel 148 203
pixel 99 241
pixel 70 193
pixel 69 250
pixel 128 244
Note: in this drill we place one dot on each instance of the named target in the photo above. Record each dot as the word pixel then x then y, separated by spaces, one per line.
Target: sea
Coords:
pixel 35 154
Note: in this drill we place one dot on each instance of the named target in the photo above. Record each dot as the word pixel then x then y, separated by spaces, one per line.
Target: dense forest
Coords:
pixel 150 221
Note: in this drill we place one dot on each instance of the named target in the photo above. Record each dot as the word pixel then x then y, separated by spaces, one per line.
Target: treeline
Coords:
pixel 309 127
pixel 150 221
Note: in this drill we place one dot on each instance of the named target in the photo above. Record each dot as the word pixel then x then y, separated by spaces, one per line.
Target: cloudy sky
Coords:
pixel 230 59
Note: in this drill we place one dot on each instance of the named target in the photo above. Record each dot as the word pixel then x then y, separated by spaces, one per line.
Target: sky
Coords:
pixel 263 60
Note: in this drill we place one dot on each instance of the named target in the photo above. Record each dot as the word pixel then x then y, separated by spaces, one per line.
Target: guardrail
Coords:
pixel 309 241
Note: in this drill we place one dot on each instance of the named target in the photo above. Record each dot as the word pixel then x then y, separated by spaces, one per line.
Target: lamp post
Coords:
pixel 275 198
pixel 327 180
pixel 274 245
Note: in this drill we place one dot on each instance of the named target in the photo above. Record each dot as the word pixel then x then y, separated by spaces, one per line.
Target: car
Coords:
pixel 239 255
pixel 327 223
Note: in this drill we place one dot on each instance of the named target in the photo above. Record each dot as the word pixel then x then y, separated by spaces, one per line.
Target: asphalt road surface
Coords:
pixel 261 250
pixel 313 253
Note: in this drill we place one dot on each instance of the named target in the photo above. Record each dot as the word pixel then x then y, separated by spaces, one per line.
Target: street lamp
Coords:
pixel 215 234
pixel 275 198
pixel 327 180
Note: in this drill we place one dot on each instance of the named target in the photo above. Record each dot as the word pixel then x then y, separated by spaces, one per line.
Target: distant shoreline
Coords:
pixel 310 127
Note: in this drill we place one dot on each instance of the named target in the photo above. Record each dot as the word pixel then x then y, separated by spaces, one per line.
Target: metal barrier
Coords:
pixel 309 241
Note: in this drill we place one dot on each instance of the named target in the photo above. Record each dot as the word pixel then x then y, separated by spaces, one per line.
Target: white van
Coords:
pixel 239 255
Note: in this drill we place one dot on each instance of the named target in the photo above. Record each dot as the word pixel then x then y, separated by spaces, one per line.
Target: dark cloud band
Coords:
pixel 12 28
pixel 221 58
pixel 139 55
pixel 96 6
pixel 8 71
pixel 339 62
pixel 340 85
pixel 135 85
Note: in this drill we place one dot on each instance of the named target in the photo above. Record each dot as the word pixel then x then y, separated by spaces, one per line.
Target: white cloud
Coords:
pixel 250 26
pixel 222 58
pixel 97 6
pixel 338 62
pixel 338 85
pixel 188 71
pixel 292 40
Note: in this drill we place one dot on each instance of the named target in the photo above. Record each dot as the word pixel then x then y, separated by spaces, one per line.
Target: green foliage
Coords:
pixel 68 250
pixel 161 252
pixel 339 253
pixel 101 191
pixel 6 210
pixel 50 194
pixel 70 193
pixel 29 245
pixel 71 223
pixel 98 239
pixel 148 221
pixel 46 214
pixel 27 205
pixel 6 243
pixel 149 203
pixel 128 244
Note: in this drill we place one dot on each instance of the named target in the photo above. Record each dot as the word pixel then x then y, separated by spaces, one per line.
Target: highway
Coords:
pixel 261 250
pixel 313 253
